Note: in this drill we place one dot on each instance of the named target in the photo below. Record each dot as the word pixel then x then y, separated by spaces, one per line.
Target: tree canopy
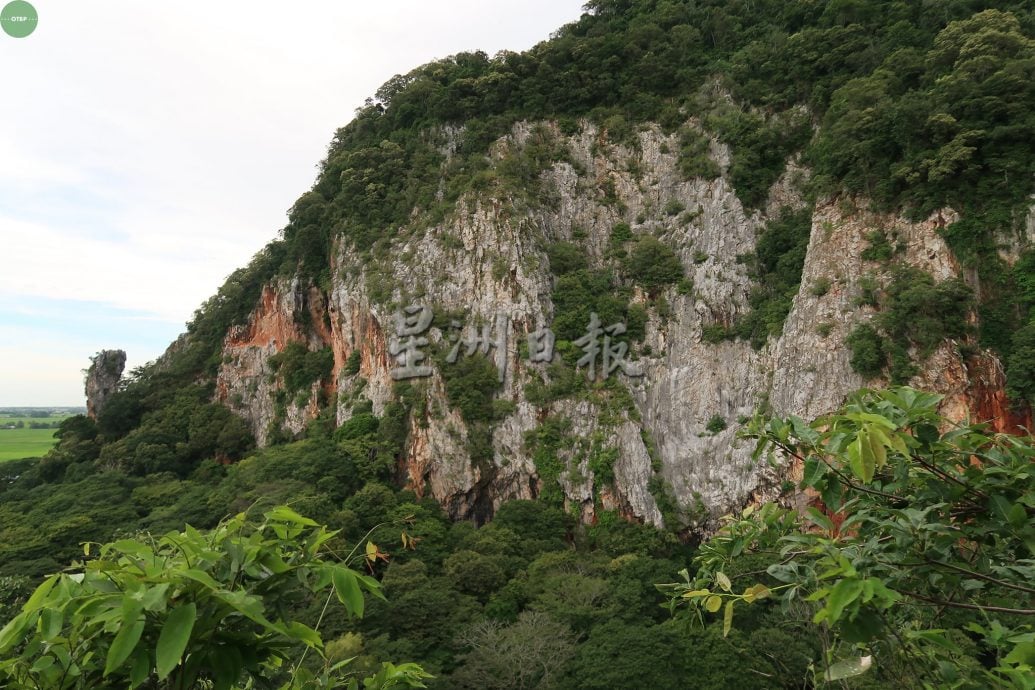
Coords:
pixel 193 607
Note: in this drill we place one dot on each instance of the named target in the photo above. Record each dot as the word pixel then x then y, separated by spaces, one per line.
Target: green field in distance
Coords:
pixel 16 444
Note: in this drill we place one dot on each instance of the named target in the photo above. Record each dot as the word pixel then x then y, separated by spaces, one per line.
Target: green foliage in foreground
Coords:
pixel 577 604
pixel 192 608
pixel 465 602
pixel 919 561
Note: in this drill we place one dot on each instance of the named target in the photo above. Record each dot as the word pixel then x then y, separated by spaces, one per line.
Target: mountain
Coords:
pixel 781 203
pixel 737 211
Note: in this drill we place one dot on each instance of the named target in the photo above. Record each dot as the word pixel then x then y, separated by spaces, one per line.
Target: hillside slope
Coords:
pixel 780 202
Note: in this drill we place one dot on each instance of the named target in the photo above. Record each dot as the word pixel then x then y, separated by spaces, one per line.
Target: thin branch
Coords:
pixel 844 479
pixel 911 656
pixel 970 607
pixel 937 471
pixel 981 576
pixel 319 621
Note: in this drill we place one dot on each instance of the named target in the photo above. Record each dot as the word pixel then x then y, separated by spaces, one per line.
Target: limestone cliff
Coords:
pixel 488 262
pixel 102 379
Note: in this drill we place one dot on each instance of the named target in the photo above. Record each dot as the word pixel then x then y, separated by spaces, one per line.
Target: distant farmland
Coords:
pixel 26 442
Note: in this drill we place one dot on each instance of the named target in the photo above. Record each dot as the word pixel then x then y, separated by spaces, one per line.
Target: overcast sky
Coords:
pixel 147 149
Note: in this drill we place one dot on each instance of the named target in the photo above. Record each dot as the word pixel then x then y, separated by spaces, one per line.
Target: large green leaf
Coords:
pixel 347 588
pixel 174 637
pixel 724 581
pixel 140 669
pixel 38 597
pixel 14 631
pixel 816 517
pixel 248 605
pixel 841 595
pixel 860 457
pixel 371 585
pixel 153 598
pixel 1022 653
pixel 876 439
pixel 200 577
pixel 303 632
pixel 50 623
pixel 285 514
pixel 813 472
pixel 123 645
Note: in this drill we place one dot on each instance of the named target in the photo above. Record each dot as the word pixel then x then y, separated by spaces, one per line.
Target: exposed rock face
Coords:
pixel 102 379
pixel 246 381
pixel 488 261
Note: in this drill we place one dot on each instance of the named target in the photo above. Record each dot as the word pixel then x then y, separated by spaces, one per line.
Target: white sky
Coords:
pixel 147 149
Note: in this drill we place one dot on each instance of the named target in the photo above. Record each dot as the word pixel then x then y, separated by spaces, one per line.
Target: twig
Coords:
pixel 971 607
pixel 981 576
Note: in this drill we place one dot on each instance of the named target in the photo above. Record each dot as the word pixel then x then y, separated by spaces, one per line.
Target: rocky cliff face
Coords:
pixel 287 312
pixel 488 262
pixel 102 379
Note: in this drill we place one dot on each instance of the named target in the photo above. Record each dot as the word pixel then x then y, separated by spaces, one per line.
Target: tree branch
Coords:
pixel 937 471
pixel 961 605
pixel 844 480
pixel 981 576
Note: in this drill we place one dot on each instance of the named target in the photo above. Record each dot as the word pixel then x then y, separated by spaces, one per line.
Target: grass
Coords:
pixel 16 444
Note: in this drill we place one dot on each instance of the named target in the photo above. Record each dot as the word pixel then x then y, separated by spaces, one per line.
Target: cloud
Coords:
pixel 39 379
pixel 149 273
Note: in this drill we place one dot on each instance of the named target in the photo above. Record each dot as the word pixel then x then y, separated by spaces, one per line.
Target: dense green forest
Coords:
pixel 908 106
pixel 459 599
pixel 912 559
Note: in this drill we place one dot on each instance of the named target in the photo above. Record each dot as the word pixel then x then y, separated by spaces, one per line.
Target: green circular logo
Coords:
pixel 18 19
